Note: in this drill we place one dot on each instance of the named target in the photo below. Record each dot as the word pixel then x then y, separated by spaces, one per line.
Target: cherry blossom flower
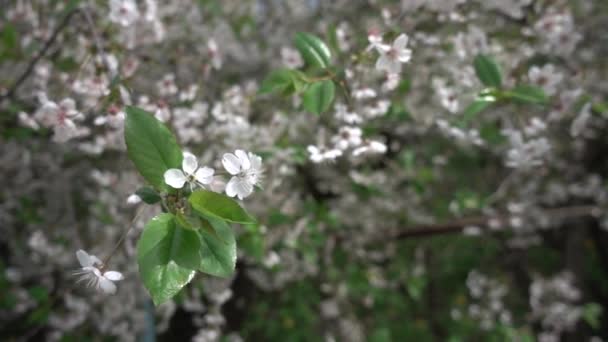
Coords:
pixel 246 170
pixel 291 58
pixel 391 56
pixel 321 154
pixel 59 117
pixel 93 272
pixel 190 173
pixel 123 12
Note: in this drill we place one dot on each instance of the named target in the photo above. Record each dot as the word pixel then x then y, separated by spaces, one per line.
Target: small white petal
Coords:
pixel 175 178
pixel 231 187
pixel 113 275
pixel 256 161
pixel 382 63
pixel 189 164
pixel 83 258
pixel 231 163
pixel 107 286
pixel 204 175
pixel 244 158
pixel 400 42
pixel 243 188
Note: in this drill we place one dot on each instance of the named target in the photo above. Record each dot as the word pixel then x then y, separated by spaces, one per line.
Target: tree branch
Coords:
pixel 483 222
pixel 32 64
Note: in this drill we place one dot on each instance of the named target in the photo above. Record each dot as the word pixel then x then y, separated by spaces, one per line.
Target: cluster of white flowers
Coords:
pixel 554 302
pixel 488 295
pixel 245 169
pixel 525 154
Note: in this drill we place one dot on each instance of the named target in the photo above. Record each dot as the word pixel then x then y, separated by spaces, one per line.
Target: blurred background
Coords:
pixel 427 203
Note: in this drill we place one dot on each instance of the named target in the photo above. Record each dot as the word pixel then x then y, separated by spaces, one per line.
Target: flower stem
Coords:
pixel 122 238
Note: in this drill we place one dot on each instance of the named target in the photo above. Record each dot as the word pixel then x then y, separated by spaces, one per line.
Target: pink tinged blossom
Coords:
pixel 123 12
pixel 60 117
pixel 392 56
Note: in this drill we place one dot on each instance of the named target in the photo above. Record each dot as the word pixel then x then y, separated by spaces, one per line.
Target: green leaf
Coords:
pixel 591 314
pixel 151 146
pixel 148 195
pixel 313 50
pixel 487 71
pixel 527 94
pixel 220 206
pixel 283 81
pixel 475 108
pixel 167 256
pixel 218 250
pixel 319 96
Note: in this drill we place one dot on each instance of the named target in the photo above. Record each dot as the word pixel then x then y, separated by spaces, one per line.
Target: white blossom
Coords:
pixel 246 171
pixel 123 12
pixel 93 272
pixel 190 173
pixel 392 56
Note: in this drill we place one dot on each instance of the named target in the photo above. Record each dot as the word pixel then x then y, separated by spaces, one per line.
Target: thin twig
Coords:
pixel 483 221
pixel 32 64
pixel 122 238
pixel 97 39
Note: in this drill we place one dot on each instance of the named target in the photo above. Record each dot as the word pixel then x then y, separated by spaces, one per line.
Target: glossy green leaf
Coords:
pixel 148 195
pixel 220 206
pixel 319 96
pixel 527 94
pixel 283 81
pixel 167 256
pixel 313 50
pixel 488 71
pixel 218 250
pixel 151 146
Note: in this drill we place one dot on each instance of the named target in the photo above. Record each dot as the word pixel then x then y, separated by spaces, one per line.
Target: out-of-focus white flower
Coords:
pixel 190 173
pixel 392 56
pixel 166 86
pixel 123 12
pixel 60 117
pixel 347 137
pixel 579 124
pixel 246 170
pixel 133 199
pixel 92 270
pixel 546 77
pixel 370 147
pixel 375 39
pixel 214 54
pixel 291 58
pixel 321 154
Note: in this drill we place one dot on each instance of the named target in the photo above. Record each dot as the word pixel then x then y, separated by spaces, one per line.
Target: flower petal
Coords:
pixel 83 258
pixel 256 161
pixel 382 63
pixel 400 42
pixel 204 175
pixel 244 158
pixel 175 178
pixel 189 164
pixel 231 187
pixel 231 163
pixel 106 285
pixel 241 187
pixel 113 275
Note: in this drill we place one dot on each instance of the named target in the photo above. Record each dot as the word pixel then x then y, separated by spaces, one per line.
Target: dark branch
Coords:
pixel 483 221
pixel 32 64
